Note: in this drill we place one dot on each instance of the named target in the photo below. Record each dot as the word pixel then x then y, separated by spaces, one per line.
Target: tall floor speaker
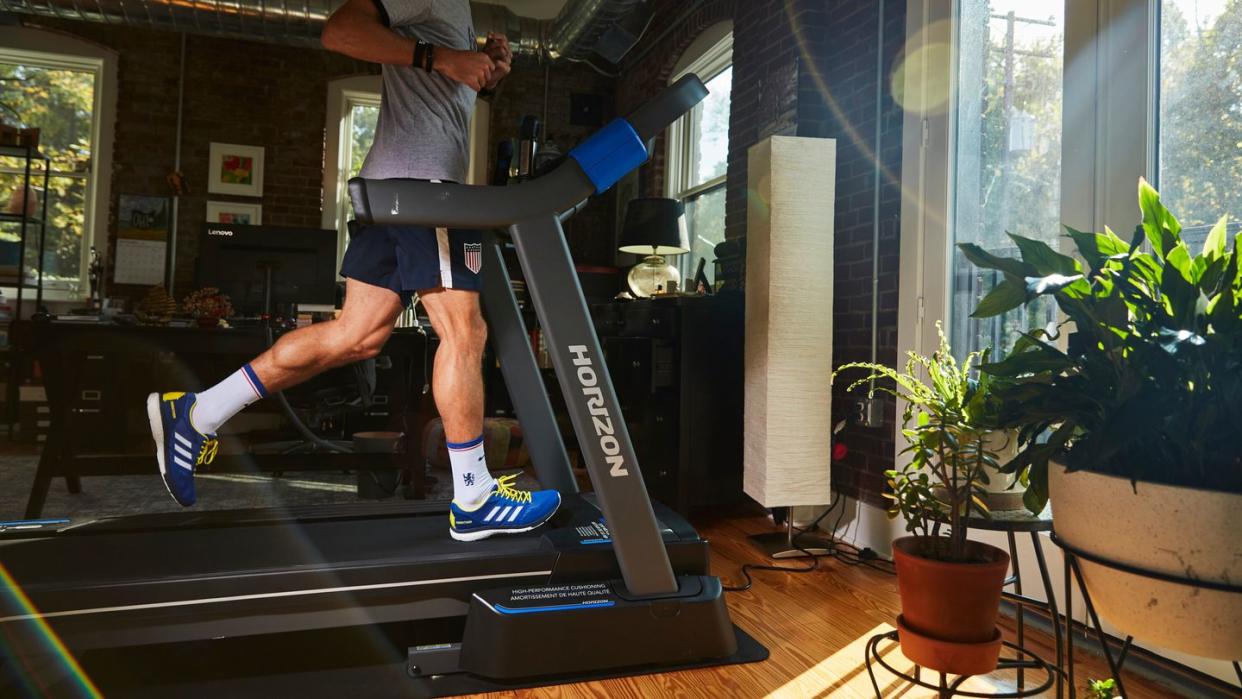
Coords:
pixel 788 356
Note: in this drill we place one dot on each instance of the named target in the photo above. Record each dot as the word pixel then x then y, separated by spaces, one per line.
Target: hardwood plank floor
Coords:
pixel 816 626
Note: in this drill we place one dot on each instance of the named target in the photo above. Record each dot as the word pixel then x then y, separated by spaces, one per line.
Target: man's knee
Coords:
pixel 466 333
pixel 346 345
pixel 366 346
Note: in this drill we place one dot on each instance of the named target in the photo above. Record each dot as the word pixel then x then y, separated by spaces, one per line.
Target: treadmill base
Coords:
pixel 748 651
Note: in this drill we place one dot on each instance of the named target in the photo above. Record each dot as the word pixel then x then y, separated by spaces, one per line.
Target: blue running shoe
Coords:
pixel 178 446
pixel 506 511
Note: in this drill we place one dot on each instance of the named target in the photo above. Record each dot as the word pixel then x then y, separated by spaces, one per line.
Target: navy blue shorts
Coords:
pixel 407 259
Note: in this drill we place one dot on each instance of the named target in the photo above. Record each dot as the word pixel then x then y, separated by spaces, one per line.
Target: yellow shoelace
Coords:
pixel 207 453
pixel 504 486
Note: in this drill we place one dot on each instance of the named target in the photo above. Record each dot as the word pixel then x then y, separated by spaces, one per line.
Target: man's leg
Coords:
pixel 481 506
pixel 184 424
pixel 457 386
pixel 359 333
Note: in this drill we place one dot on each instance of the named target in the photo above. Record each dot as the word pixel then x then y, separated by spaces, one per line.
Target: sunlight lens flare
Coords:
pixel 27 620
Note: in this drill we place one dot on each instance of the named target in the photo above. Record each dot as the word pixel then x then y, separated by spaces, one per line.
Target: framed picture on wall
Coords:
pixel 235 169
pixel 234 212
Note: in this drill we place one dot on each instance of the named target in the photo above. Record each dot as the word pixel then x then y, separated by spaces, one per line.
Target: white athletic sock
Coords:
pixel 217 404
pixel 472 482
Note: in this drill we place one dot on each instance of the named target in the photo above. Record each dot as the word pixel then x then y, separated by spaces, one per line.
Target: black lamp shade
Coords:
pixel 655 226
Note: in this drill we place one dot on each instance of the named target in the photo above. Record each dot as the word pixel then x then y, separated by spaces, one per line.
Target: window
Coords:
pixel 60 95
pixel 1148 88
pixel 698 152
pixel 1007 159
pixel 353 110
pixel 1200 114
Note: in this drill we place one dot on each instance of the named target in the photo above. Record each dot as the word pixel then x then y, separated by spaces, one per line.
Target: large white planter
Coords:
pixel 1180 531
pixel 1002 493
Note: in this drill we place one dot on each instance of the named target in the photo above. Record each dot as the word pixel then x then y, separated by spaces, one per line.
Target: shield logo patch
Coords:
pixel 474 256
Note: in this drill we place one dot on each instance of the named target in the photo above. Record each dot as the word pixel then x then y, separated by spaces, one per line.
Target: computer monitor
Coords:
pixel 238 260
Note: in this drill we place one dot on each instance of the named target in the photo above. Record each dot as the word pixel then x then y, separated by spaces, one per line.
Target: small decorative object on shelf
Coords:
pixel 24 201
pixel 950 586
pixel 156 308
pixel 208 306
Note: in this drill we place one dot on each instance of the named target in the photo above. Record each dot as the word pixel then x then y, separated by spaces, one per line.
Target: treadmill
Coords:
pixel 615 584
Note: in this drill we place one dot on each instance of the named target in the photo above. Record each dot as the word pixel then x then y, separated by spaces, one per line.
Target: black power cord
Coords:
pixel 846 553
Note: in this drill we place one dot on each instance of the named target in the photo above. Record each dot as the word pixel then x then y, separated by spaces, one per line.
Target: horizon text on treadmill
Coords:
pixel 599 412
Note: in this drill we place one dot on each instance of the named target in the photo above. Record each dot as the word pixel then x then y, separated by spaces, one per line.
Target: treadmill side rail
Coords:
pixel 592 404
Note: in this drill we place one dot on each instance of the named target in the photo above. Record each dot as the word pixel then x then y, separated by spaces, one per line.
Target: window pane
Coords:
pixel 362 132
pixel 711 130
pixel 59 103
pixel 1008 160
pixel 1200 146
pixel 362 120
pixel 705 219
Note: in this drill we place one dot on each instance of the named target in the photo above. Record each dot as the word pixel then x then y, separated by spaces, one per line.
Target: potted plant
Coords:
pixel 1131 425
pixel 950 586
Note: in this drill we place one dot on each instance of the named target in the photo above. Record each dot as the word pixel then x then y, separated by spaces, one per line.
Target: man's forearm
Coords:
pixel 367 40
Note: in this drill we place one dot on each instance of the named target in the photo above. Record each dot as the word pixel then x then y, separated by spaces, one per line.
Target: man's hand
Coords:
pixel 497 48
pixel 473 69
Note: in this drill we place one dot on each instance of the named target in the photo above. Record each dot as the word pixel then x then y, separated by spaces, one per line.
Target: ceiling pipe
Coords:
pixel 581 28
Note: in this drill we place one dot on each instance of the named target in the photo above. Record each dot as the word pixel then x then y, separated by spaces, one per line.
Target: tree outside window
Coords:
pixel 60 101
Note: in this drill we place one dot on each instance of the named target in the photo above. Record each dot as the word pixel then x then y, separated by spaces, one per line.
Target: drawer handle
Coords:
pixel 92 395
pixel 90 411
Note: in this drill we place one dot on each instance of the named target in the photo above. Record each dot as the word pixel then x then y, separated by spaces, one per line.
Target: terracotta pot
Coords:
pixel 23 202
pixel 1186 532
pixel 948 610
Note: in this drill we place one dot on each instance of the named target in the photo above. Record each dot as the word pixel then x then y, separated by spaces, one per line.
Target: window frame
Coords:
pixel 343 95
pixel 1112 91
pixel 708 63
pixel 51 50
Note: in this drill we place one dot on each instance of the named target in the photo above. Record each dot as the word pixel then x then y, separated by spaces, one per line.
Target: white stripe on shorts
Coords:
pixel 446 265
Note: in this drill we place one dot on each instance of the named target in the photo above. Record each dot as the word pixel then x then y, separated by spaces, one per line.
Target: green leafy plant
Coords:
pixel 944 427
pixel 1148 384
pixel 1102 689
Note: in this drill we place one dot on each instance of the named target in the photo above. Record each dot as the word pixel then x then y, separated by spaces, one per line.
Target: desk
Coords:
pixel 98 375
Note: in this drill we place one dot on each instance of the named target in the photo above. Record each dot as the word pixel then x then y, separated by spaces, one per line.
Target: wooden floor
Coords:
pixel 815 625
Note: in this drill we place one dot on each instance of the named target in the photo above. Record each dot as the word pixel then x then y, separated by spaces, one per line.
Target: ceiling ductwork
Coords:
pixel 583 27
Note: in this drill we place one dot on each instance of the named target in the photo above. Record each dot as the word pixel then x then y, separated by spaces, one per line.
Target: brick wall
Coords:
pixel 235 92
pixel 837 99
pixel 800 66
pixel 808 67
pixel 591 232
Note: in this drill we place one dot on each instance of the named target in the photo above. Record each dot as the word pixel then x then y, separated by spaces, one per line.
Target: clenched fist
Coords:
pixel 470 68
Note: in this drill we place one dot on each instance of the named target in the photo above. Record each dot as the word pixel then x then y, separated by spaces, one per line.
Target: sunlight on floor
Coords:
pixel 844 674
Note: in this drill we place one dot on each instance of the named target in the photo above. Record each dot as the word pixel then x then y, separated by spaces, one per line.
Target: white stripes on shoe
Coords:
pixel 503 513
pixel 182 451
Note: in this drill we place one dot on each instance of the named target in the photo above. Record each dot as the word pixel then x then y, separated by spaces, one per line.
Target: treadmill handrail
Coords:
pixel 594 166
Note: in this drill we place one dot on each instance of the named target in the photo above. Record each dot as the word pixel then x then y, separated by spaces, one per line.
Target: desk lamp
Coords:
pixel 654 227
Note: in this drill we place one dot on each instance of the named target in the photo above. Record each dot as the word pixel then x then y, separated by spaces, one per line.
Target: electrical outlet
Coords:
pixel 869 412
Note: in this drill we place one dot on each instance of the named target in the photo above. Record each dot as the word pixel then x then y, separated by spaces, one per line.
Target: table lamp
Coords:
pixel 654 227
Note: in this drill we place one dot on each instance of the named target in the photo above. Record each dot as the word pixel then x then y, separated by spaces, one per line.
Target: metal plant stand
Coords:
pixel 950 685
pixel 1012 523
pixel 1074 573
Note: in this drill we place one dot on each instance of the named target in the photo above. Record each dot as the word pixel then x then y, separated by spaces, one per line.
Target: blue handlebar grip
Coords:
pixel 610 154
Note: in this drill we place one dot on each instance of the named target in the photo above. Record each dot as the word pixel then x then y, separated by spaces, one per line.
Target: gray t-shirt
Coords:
pixel 424 121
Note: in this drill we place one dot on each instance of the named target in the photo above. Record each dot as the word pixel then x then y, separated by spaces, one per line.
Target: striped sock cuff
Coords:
pixel 253 379
pixel 465 446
